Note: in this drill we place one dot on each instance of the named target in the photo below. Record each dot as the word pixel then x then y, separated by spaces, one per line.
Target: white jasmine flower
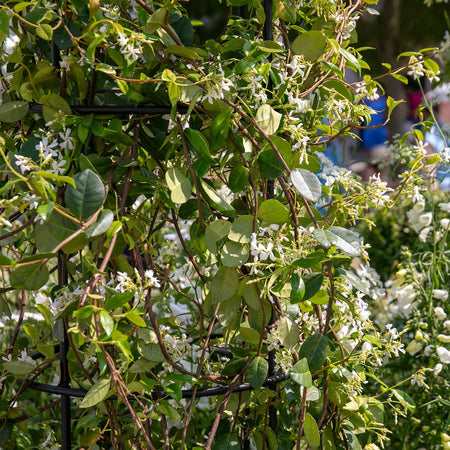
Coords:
pixel 445 207
pixel 42 299
pixel 440 313
pixel 416 69
pixel 440 294
pixel 424 234
pixel 10 43
pixel 417 219
pixel 24 163
pixel 445 224
pixel 444 338
pixel 443 354
pixel 437 369
pixel 64 64
pixel 25 358
pixel 152 281
pixel 67 141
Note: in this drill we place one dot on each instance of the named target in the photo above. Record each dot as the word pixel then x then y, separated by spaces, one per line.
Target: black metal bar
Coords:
pixel 113 109
pixel 64 365
pixel 188 393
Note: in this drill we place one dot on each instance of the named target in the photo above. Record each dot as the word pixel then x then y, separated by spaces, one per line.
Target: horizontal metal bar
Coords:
pixel 188 393
pixel 112 109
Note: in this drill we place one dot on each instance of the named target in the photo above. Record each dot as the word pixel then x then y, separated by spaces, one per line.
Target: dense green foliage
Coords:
pixel 207 245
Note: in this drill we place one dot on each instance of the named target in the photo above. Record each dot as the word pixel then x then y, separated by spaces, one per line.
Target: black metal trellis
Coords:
pixel 63 389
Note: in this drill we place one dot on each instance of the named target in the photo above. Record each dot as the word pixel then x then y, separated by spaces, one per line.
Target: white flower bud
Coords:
pixel 440 313
pixel 440 294
pixel 437 369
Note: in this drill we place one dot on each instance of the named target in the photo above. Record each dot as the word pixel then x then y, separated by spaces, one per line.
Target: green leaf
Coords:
pixel 251 296
pixel 269 164
pixel 118 300
pixel 179 185
pixel 311 45
pixel 184 52
pixel 288 332
pixel 96 394
pixel 13 111
pixel 405 399
pixel 224 284
pixel 311 431
pixel 313 282
pixel 257 372
pixel 216 233
pixel 320 298
pixel 227 442
pixel 270 47
pixel 307 184
pixel 250 335
pixel 314 349
pixel 88 197
pixel 54 176
pixel 300 373
pixel 107 322
pixel 18 368
pixel 298 288
pixel 30 277
pixel 241 229
pixel 346 240
pixel 268 119
pixel 104 221
pixel 354 280
pixel 272 211
pixel 4 22
pixel 238 180
pixel 84 312
pixel 219 129
pixel 44 31
pixel 198 143
pixel 135 318
pixel 216 201
pixel 337 393
pixel 54 105
pixel 234 254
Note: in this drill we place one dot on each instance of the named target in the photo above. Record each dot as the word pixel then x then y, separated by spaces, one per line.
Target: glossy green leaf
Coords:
pixel 288 332
pixel 405 399
pixel 84 312
pixel 272 211
pixel 135 318
pixel 107 322
pixel 298 288
pixel 346 240
pixel 268 119
pixel 314 349
pixel 13 111
pixel 30 277
pixel 224 284
pixel 180 186
pixel 88 197
pixel 241 229
pixel 216 201
pixel 311 431
pixel 238 180
pixel 96 394
pixel 216 233
pixel 234 254
pixel 227 442
pixel 313 282
pixel 270 165
pixel 104 221
pixel 197 142
pixel 249 334
pixel 18 368
pixel 257 372
pixel 307 184
pixel 118 300
pixel 220 128
pixel 311 45
pixel 300 373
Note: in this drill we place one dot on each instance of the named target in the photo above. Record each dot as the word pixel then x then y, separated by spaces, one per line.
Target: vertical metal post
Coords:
pixel 268 36
pixel 64 342
pixel 64 365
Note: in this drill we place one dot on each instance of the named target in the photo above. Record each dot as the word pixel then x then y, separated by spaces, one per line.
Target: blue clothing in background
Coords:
pixel 375 136
pixel 435 139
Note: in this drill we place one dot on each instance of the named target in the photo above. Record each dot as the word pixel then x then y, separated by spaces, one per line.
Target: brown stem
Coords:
pixel 302 419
